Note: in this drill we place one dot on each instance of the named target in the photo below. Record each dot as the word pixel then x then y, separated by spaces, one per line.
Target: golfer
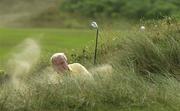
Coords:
pixel 61 66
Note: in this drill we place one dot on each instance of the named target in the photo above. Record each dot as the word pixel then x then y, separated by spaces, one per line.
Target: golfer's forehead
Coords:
pixel 59 58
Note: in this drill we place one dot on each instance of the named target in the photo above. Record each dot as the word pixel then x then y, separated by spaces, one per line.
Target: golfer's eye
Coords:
pixel 62 62
pixel 54 62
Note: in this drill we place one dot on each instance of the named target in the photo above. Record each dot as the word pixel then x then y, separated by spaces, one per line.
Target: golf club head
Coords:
pixel 94 25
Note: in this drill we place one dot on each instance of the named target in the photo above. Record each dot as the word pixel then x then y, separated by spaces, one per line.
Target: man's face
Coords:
pixel 60 64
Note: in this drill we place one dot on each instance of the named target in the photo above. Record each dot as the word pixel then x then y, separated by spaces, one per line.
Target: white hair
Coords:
pixel 58 55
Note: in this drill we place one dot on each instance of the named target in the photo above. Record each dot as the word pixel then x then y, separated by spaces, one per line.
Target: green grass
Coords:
pixel 50 40
pixel 145 65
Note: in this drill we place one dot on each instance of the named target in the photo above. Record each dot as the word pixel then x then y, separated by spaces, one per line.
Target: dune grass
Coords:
pixel 145 64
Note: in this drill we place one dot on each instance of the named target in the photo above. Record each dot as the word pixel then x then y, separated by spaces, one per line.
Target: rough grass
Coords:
pixel 141 79
pixel 124 90
pixel 153 50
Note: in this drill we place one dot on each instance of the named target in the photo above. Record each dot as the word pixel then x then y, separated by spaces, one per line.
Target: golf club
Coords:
pixel 95 26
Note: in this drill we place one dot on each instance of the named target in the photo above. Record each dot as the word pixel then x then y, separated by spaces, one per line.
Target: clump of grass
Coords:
pixel 155 50
pixel 1 72
pixel 3 76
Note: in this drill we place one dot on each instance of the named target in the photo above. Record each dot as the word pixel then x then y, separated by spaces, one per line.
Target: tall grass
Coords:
pixel 155 50
pixel 125 90
pixel 144 65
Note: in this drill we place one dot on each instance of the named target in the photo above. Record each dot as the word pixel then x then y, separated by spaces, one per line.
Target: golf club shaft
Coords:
pixel 96 47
